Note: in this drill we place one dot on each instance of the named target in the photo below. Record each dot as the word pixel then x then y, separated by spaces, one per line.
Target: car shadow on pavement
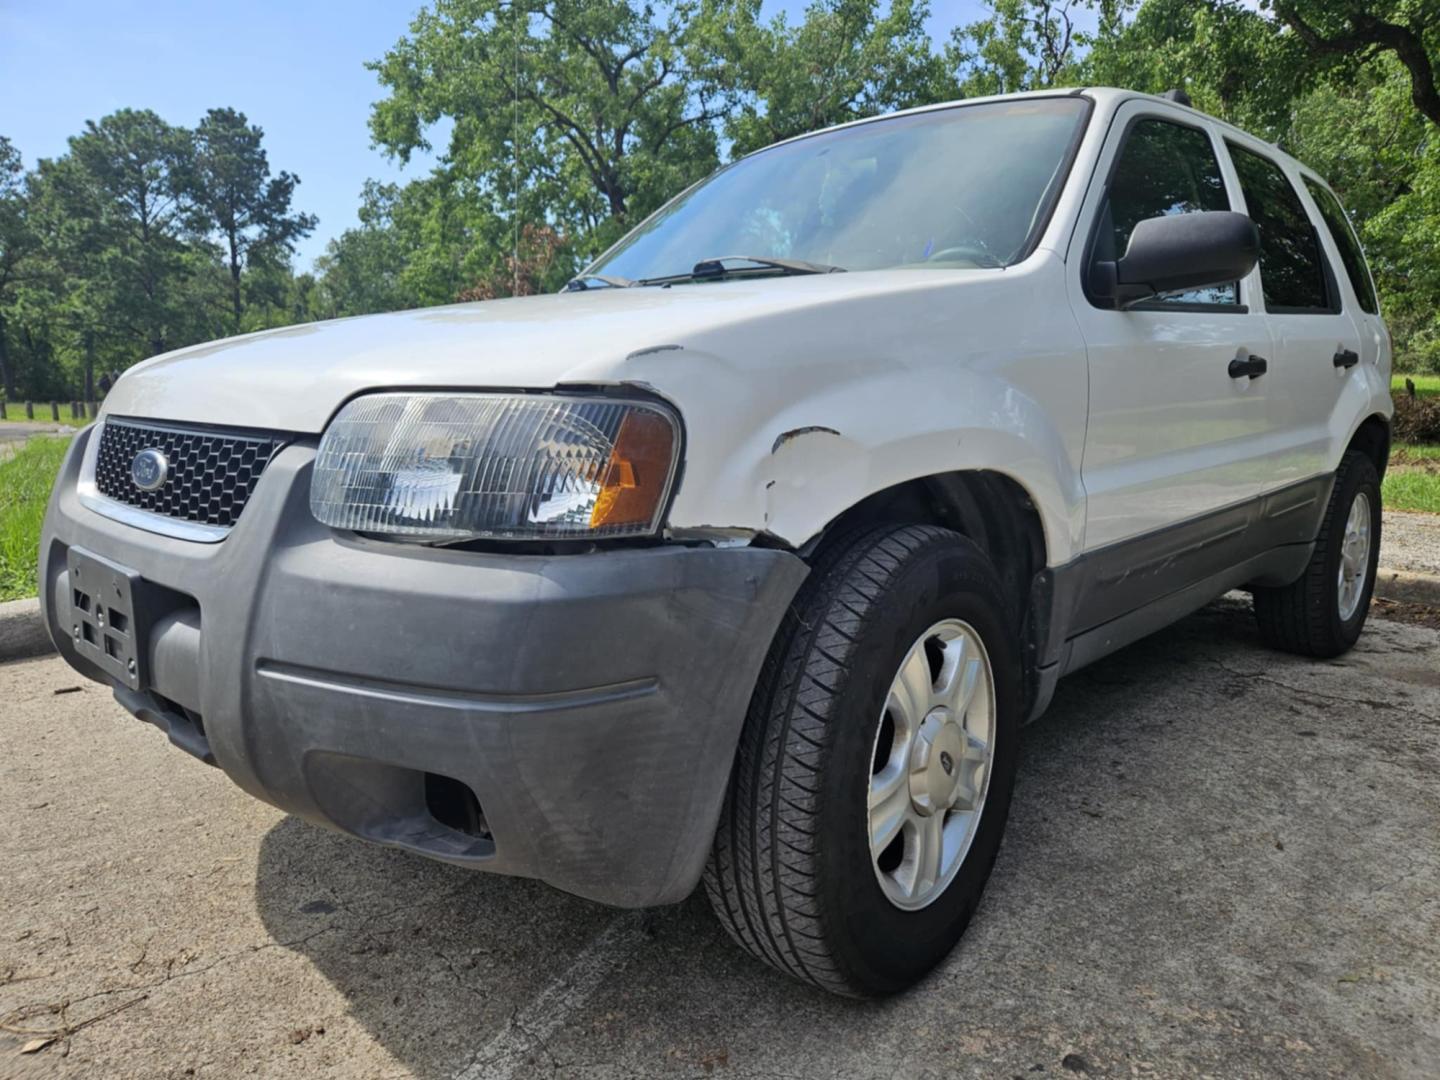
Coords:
pixel 1141 902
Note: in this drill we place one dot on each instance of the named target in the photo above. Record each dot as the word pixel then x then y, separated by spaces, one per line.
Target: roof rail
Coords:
pixel 1179 97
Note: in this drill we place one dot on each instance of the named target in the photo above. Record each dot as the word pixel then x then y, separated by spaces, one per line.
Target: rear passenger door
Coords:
pixel 1172 436
pixel 1317 340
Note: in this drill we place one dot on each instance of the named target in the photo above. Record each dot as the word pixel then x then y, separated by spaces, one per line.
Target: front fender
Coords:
pixel 792 422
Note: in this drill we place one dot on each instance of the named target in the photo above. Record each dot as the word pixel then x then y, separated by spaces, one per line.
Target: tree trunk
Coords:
pixel 7 373
pixel 235 280
pixel 89 366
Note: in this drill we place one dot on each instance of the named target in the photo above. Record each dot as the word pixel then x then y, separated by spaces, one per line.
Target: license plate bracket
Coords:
pixel 107 616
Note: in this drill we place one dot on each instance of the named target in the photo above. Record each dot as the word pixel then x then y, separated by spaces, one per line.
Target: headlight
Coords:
pixel 514 466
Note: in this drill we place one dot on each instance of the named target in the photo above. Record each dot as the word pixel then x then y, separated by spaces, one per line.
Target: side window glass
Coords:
pixel 1164 168
pixel 1292 274
pixel 1341 232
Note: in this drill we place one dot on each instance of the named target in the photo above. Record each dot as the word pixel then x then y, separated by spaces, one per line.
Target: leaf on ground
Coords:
pixel 34 1046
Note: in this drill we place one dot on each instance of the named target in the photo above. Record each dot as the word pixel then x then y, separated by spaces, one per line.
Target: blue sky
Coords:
pixel 295 68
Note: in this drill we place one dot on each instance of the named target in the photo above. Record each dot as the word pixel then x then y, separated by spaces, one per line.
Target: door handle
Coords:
pixel 1347 358
pixel 1253 366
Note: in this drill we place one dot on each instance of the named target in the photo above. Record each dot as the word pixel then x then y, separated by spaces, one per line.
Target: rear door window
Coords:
pixel 1164 168
pixel 1292 266
pixel 1343 234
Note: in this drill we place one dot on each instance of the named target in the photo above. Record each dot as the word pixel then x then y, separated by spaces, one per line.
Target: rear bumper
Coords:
pixel 591 702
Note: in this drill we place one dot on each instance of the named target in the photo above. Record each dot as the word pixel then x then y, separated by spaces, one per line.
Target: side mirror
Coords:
pixel 1178 252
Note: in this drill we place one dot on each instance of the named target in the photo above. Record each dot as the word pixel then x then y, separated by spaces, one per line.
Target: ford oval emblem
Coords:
pixel 149 470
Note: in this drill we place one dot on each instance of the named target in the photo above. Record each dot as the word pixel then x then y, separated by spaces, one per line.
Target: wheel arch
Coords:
pixel 995 511
pixel 1372 438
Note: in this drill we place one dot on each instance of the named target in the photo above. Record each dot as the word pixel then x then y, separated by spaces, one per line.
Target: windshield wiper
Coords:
pixel 715 268
pixel 610 281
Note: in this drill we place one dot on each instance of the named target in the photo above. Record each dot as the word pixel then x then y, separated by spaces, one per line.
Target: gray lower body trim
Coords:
pixel 1108 598
pixel 591 702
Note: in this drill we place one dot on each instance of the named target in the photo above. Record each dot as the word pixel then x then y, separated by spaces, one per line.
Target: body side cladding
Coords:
pixel 1108 598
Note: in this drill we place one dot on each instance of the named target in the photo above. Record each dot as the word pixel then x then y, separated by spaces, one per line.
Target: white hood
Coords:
pixel 294 378
pixel 799 395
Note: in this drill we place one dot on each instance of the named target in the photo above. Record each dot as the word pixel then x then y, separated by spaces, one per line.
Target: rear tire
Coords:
pixel 1322 613
pixel 793 875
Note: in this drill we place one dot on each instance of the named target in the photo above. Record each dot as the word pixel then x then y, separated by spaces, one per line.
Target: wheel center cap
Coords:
pixel 935 777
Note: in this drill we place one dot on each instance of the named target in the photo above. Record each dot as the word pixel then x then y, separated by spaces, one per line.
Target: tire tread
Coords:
pixel 766 902
pixel 1296 618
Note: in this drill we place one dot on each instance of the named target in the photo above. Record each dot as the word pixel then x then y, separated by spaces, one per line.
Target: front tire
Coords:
pixel 874 772
pixel 1323 612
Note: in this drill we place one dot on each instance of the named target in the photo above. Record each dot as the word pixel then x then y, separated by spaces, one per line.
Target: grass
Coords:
pixel 1412 483
pixel 1406 490
pixel 1425 385
pixel 25 482
pixel 1413 480
pixel 15 414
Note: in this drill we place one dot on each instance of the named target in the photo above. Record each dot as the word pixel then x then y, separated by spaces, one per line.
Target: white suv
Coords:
pixel 724 563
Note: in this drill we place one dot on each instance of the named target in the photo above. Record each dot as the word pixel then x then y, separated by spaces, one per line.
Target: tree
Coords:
pixel 1022 45
pixel 1356 31
pixel 1232 61
pixel 363 269
pixel 234 195
pixel 119 229
pixel 844 61
pixel 528 270
pixel 1383 158
pixel 584 114
pixel 17 245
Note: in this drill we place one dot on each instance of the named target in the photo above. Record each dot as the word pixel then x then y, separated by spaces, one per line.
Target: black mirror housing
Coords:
pixel 1178 252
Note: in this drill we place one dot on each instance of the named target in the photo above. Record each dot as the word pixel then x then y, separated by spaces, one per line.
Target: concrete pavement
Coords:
pixel 1221 862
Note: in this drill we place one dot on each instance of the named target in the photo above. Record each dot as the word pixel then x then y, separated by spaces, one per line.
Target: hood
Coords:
pixel 294 378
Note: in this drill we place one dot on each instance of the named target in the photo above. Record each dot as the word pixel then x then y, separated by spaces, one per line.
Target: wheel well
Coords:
pixel 1372 438
pixel 992 510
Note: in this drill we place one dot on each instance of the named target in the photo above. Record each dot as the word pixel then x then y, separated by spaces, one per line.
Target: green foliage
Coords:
pixel 234 195
pixel 1341 39
pixel 1425 385
pixel 1383 159
pixel 109 253
pixel 1406 489
pixel 25 483
pixel 585 114
pixel 1230 59
pixel 847 59
pixel 568 121
pixel 1022 45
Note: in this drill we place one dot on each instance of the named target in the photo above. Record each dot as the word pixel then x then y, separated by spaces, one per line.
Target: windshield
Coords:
pixel 957 187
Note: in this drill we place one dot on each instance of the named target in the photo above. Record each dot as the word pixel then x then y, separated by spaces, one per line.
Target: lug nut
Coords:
pixel 130 667
pixel 77 631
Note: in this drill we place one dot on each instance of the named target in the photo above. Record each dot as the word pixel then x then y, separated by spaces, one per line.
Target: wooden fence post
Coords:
pixel 54 410
pixel 2 411
pixel 29 410
pixel 90 409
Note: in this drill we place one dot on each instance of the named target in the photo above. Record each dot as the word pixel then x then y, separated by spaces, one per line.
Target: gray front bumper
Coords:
pixel 592 702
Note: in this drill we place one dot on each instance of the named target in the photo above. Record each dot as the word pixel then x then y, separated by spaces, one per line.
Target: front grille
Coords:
pixel 211 473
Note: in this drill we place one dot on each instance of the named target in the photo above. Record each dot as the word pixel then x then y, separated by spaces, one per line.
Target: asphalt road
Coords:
pixel 1220 862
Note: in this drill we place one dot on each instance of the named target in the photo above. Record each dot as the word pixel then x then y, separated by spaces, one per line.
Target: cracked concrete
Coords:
pixel 1221 861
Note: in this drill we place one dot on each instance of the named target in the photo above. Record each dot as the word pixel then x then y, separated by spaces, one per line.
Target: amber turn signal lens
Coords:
pixel 638 472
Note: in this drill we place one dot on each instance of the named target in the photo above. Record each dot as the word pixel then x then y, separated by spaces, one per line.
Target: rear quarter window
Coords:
pixel 1341 231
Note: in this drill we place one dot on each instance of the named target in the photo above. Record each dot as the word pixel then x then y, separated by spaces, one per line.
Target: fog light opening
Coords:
pixel 455 806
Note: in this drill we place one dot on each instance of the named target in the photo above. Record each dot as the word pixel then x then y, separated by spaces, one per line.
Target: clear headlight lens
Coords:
pixel 511 466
